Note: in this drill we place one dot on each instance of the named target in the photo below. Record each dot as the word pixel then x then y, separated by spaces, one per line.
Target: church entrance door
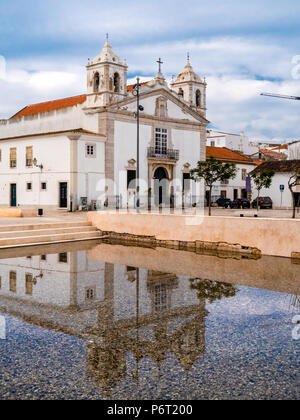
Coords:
pixel 161 194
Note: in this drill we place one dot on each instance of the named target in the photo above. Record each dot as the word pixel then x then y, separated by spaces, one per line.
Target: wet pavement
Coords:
pixel 105 321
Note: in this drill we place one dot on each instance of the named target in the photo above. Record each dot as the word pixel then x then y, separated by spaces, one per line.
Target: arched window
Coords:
pixel 181 93
pixel 198 98
pixel 116 82
pixel 96 82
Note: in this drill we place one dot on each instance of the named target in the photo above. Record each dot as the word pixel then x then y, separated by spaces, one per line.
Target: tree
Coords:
pixel 262 180
pixel 293 181
pixel 212 290
pixel 212 170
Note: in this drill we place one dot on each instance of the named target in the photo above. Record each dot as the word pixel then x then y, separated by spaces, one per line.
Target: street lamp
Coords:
pixel 36 164
pixel 139 108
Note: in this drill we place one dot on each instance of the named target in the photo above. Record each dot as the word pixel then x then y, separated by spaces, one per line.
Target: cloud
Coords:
pixel 242 50
pixel 2 68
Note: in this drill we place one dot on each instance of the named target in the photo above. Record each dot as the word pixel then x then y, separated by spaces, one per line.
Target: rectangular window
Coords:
pixel 90 150
pixel 29 186
pixel 186 182
pixel 29 284
pixel 43 257
pixel 13 157
pixel 63 258
pixel 44 186
pixel 131 180
pixel 90 294
pixel 244 174
pixel 213 144
pixel 29 157
pixel 160 297
pixel 224 194
pixel 161 141
pixel 13 282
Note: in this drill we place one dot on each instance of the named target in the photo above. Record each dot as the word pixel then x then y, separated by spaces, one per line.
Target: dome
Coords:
pixel 188 75
pixel 107 55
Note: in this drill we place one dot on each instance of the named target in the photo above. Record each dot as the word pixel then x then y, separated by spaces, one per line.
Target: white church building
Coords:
pixel 63 153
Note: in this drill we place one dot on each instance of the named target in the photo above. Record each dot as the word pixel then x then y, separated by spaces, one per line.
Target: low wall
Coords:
pixel 274 237
pixel 15 212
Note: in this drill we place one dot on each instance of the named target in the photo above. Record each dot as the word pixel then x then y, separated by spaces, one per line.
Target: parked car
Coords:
pixel 241 203
pixel 224 202
pixel 263 202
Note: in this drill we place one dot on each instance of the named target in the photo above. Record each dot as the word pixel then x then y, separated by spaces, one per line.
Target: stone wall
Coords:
pixel 274 237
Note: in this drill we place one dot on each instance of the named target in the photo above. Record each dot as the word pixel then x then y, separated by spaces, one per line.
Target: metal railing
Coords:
pixel 171 154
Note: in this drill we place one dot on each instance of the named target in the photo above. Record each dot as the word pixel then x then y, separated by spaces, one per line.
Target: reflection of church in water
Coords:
pixel 117 310
pixel 164 329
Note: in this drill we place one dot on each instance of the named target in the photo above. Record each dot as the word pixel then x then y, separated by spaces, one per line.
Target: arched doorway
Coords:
pixel 160 186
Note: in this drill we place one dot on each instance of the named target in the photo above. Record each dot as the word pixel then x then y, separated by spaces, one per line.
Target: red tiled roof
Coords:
pixel 50 106
pixel 272 154
pixel 222 153
pixel 282 147
pixel 258 162
pixel 130 87
pixel 57 104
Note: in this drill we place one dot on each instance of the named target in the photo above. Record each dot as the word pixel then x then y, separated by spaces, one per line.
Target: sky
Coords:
pixel 242 48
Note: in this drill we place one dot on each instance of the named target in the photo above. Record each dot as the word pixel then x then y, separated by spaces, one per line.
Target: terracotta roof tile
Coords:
pixel 222 153
pixel 130 87
pixel 282 147
pixel 283 166
pixel 272 154
pixel 258 162
pixel 50 106
pixel 57 104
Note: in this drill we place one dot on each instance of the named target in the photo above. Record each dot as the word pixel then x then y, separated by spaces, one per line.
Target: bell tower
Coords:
pixel 106 79
pixel 190 88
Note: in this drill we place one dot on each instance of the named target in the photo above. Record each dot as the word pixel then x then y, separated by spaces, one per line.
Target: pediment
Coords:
pixel 158 99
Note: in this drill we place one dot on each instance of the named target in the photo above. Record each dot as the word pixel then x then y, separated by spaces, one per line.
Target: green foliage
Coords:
pixel 212 170
pixel 212 290
pixel 263 179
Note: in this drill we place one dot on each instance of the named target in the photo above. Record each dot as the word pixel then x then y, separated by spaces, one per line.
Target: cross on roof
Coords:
pixel 159 65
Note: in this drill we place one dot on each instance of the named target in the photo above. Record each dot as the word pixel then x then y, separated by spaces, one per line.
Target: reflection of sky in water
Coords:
pixel 249 353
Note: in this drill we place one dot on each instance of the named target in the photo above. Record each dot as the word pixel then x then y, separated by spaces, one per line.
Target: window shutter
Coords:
pixel 13 157
pixel 29 156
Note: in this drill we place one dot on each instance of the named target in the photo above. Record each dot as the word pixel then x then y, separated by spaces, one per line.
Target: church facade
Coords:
pixel 69 152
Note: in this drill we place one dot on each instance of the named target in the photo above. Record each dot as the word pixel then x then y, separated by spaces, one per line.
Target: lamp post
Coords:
pixel 139 108
pixel 35 163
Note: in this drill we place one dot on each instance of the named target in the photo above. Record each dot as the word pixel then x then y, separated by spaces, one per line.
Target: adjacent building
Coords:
pixel 279 190
pixel 236 142
pixel 233 188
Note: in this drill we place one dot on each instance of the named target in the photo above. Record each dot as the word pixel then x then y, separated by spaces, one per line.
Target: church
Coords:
pixel 81 151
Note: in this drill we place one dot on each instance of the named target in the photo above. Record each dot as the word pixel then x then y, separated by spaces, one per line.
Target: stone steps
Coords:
pixel 40 232
pixel 10 228
pixel 27 235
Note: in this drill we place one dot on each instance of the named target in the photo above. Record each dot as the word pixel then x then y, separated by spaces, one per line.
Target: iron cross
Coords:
pixel 159 65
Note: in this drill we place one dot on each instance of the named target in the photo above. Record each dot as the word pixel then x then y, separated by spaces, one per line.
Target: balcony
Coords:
pixel 169 154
